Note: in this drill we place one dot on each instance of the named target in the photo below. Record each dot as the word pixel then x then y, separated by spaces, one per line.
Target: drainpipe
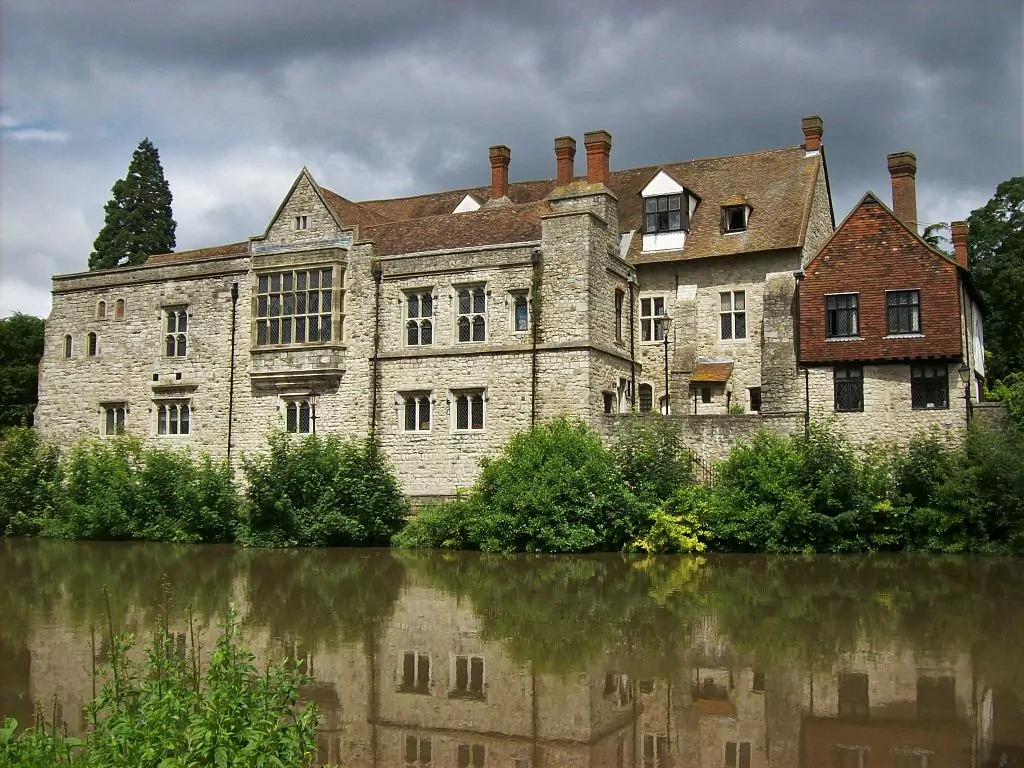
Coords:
pixel 535 311
pixel 378 275
pixel 631 281
pixel 807 400
pixel 231 378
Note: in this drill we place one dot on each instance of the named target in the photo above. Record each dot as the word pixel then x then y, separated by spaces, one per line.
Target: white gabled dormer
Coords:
pixel 468 203
pixel 667 210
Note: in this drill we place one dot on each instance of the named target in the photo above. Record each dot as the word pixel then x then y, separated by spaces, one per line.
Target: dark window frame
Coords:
pixel 729 218
pixel 834 314
pixel 659 210
pixel 732 321
pixel 896 312
pixel 298 307
pixel 848 388
pixel 419 318
pixel 417 412
pixel 470 411
pixel 645 397
pixel 926 391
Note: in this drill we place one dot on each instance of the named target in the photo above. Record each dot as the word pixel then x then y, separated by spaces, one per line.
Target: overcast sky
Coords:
pixel 399 97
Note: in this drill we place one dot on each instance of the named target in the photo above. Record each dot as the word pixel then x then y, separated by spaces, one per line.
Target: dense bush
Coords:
pixel 440 526
pixel 30 473
pixel 116 489
pixel 163 714
pixel 321 491
pixel 652 460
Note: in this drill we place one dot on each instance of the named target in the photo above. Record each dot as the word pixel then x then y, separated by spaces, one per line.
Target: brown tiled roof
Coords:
pixel 777 184
pixel 214 252
pixel 351 213
pixel 717 372
pixel 488 226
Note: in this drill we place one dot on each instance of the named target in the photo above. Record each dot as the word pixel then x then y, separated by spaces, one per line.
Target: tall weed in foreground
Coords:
pixel 29 479
pixel 321 491
pixel 164 713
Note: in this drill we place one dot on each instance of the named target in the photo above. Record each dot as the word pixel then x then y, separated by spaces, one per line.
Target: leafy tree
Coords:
pixel 138 221
pixel 996 249
pixel 937 236
pixel 21 348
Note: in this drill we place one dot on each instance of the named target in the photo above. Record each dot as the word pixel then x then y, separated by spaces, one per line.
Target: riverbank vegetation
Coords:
pixel 554 488
pixel 165 712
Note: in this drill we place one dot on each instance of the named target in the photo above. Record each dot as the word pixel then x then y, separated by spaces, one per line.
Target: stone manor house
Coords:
pixel 716 290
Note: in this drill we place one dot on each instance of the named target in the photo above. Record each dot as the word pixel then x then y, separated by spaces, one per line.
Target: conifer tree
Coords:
pixel 139 222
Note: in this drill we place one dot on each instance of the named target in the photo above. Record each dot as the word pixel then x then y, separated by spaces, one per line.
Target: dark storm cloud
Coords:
pixel 402 97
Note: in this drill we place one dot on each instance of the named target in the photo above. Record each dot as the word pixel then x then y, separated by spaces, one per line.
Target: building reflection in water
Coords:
pixel 439 679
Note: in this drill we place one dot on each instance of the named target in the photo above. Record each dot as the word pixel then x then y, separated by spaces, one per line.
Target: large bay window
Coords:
pixel 297 306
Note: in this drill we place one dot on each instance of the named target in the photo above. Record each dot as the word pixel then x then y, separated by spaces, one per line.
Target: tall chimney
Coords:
pixel 958 231
pixel 903 170
pixel 599 148
pixel 500 157
pixel 813 130
pixel 565 153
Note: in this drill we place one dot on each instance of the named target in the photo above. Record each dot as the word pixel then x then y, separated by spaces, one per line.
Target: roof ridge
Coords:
pixel 516 207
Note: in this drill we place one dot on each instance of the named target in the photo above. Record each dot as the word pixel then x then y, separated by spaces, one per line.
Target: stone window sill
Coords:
pixel 844 338
pixel 904 336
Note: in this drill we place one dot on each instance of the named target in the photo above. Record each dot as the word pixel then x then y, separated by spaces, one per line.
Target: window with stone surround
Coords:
pixel 663 214
pixel 472 314
pixel 471 756
pixel 415 672
pixel 737 754
pixel 469 408
pixel 656 751
pixel 652 318
pixel 67 345
pixel 520 311
pixel 418 752
pixel 416 412
pixel 419 318
pixel 929 386
pixel 842 315
pixel 101 310
pixel 646 394
pixel 301 222
pixel 296 306
pixel 848 388
pixel 113 418
pixel 176 332
pixel 733 315
pixel 755 398
pixel 173 418
pixel 903 312
pixel 92 344
pixel 299 416
pixel 119 309
pixel 467 677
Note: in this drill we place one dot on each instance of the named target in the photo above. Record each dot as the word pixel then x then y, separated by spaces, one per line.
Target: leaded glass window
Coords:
pixel 848 382
pixel 296 306
pixel 841 312
pixel 903 311
pixel 929 386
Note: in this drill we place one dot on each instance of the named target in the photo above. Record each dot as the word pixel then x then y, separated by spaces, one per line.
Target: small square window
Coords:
pixel 416 413
pixel 469 411
pixel 705 394
pixel 848 382
pixel 903 312
pixel 301 222
pixel 842 315
pixel 665 214
pixel 755 398
pixel 734 218
pixel 929 386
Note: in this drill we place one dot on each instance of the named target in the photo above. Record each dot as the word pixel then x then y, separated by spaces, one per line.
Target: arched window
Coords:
pixel 119 309
pixel 93 343
pixel 172 419
pixel 472 311
pixel 67 346
pixel 176 327
pixel 298 417
pixel 646 398
pixel 101 310
pixel 520 313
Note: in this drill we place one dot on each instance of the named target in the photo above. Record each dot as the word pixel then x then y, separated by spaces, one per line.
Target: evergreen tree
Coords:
pixel 21 347
pixel 139 222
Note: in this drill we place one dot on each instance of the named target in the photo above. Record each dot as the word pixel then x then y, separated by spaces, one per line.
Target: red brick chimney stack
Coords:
pixel 903 170
pixel 565 153
pixel 500 157
pixel 813 130
pixel 958 231
pixel 599 148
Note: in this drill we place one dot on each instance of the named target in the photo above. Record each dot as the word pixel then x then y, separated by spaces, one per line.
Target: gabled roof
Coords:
pixel 351 214
pixel 487 226
pixel 303 174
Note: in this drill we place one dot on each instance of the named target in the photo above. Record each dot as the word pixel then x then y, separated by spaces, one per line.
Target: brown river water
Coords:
pixel 468 660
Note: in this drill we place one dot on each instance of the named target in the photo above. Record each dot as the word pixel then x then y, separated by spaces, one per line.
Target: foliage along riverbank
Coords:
pixel 554 488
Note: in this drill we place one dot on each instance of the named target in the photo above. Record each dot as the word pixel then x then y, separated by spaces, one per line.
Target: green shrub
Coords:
pixel 321 491
pixel 651 459
pixel 31 473
pixel 554 488
pixel 675 526
pixel 440 526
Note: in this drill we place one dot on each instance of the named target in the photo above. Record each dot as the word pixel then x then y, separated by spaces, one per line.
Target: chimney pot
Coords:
pixel 813 128
pixel 958 232
pixel 565 153
pixel 903 172
pixel 500 157
pixel 599 148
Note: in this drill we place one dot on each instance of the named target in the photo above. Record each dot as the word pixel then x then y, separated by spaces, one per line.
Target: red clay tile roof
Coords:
pixel 351 213
pixel 712 372
pixel 488 226
pixel 214 252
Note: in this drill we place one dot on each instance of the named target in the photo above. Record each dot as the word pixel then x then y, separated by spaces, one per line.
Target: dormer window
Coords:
pixel 734 218
pixel 663 214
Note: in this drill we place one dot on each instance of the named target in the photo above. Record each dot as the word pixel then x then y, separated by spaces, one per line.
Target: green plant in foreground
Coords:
pixel 164 713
